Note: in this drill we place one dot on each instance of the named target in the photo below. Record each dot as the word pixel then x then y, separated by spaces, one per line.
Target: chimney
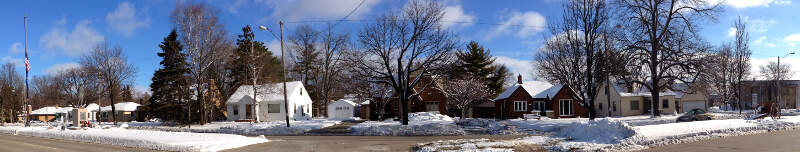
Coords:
pixel 519 78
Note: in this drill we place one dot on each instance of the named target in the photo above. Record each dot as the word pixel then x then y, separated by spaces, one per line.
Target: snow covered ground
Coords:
pixel 243 128
pixel 157 140
pixel 621 134
pixel 419 124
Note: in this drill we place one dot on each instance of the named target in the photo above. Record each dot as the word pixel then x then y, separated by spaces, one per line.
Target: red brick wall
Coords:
pixel 505 108
pixel 566 93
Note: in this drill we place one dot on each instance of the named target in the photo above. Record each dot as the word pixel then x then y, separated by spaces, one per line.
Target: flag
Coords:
pixel 27 63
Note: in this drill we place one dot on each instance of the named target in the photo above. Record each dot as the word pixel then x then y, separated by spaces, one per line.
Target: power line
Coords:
pixel 450 21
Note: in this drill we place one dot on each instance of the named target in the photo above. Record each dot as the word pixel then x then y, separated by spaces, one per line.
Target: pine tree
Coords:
pixel 170 95
pixel 478 62
pixel 127 94
pixel 268 66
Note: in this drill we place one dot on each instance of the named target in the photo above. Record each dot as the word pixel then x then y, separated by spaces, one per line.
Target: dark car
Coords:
pixel 695 115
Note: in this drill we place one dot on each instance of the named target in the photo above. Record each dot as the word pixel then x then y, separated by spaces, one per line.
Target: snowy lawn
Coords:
pixel 419 124
pixel 617 134
pixel 158 140
pixel 244 128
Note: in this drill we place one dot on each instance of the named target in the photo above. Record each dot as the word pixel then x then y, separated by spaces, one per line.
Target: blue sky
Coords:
pixel 61 31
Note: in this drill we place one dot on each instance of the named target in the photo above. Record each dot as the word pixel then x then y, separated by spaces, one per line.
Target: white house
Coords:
pixel 125 111
pixel 341 109
pixel 270 102
pixel 92 108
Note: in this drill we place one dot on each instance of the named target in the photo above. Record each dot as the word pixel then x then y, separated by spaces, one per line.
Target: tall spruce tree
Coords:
pixel 170 97
pixel 253 54
pixel 478 62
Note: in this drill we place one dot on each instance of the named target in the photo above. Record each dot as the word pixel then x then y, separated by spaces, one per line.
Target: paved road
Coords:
pixel 777 141
pixel 12 143
pixel 349 143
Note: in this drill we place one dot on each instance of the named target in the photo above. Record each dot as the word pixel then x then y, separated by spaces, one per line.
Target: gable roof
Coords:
pixel 343 101
pixel 122 106
pixel 266 92
pixel 536 89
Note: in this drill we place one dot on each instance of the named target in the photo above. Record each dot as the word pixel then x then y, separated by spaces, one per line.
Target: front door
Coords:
pixel 647 106
pixel 249 112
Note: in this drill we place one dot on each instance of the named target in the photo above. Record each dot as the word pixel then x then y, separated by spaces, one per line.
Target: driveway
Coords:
pixel 776 141
pixel 13 143
pixel 352 143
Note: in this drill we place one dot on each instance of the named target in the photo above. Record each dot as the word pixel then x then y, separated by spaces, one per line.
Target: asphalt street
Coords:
pixel 349 143
pixel 13 143
pixel 776 141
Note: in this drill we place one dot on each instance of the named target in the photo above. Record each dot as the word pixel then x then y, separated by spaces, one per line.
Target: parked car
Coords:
pixel 695 115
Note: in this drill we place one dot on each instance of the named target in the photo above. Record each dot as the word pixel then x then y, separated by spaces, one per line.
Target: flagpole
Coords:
pixel 27 68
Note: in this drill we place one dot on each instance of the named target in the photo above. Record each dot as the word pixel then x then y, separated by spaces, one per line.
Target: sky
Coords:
pixel 59 32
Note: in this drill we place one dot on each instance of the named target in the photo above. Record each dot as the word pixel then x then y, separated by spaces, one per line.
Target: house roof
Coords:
pixel 45 111
pixel 266 92
pixel 348 102
pixel 641 92
pixel 536 89
pixel 122 106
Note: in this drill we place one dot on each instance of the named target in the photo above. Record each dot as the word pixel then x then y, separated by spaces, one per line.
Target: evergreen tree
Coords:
pixel 170 95
pixel 478 62
pixel 127 94
pixel 268 67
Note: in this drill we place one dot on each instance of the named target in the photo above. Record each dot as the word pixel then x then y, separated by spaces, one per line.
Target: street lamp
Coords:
pixel 780 75
pixel 283 68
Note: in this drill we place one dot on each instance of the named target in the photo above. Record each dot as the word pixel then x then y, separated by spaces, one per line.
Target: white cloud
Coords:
pixel 770 44
pixel 732 31
pixel 142 89
pixel 523 67
pixel 793 61
pixel 75 43
pixel 319 9
pixel 523 24
pixel 124 20
pixel 18 62
pixel 274 46
pixel 792 39
pixel 454 18
pixel 15 48
pixel 761 26
pixel 234 7
pixel 760 40
pixel 58 68
pixel 740 4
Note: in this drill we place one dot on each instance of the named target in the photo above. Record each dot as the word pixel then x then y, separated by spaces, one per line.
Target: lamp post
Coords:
pixel 780 75
pixel 283 68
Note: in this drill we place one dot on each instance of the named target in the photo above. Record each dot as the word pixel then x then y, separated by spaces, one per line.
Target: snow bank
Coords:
pixel 602 131
pixel 158 140
pixel 691 131
pixel 245 128
pixel 419 124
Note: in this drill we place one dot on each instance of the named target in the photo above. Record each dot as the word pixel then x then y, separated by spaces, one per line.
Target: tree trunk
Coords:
pixel 404 106
pixel 113 108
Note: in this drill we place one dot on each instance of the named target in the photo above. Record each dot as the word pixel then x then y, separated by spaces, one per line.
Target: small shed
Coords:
pixel 341 109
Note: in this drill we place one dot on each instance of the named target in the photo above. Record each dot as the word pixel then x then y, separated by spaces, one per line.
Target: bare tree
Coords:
pixel 203 36
pixel 329 65
pixel 741 59
pixel 465 92
pixel 75 82
pixel 111 67
pixel 773 72
pixel 664 33
pixel 11 93
pixel 397 45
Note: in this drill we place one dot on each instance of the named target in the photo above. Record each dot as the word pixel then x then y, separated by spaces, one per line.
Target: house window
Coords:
pixel 634 105
pixel 520 105
pixel 538 105
pixel 235 109
pixel 615 106
pixel 664 103
pixel 565 107
pixel 431 106
pixel 274 108
pixel 755 98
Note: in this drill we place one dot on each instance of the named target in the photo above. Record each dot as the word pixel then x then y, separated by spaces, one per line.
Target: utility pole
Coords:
pixel 283 66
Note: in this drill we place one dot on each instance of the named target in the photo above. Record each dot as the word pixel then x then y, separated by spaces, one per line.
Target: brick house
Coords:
pixel 538 97
pixel 431 98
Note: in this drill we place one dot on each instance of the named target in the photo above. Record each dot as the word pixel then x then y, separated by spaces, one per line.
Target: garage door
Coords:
pixel 689 105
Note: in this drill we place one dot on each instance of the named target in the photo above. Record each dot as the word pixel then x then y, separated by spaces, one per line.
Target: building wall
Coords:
pixel 505 107
pixel 577 109
pixel 765 91
pixel 601 99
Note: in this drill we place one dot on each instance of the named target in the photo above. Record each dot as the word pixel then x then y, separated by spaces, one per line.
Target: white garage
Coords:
pixel 341 109
pixel 689 105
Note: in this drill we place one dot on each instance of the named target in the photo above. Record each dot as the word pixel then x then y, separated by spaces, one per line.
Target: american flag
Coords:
pixel 27 63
